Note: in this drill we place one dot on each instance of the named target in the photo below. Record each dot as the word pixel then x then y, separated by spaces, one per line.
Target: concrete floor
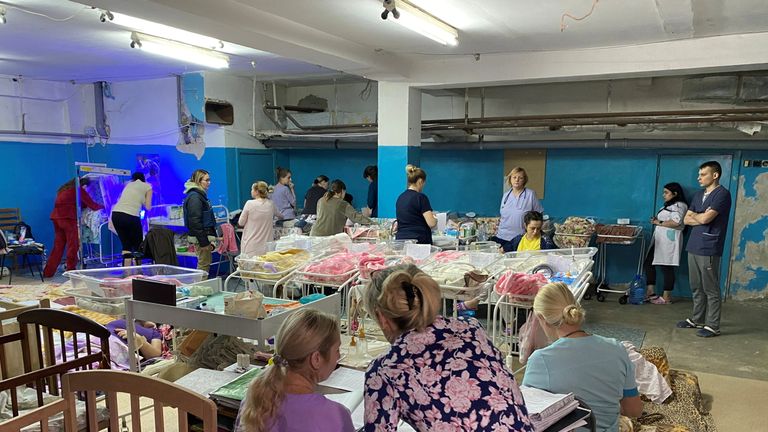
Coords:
pixel 740 351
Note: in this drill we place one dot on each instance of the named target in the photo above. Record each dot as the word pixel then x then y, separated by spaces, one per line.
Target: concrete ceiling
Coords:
pixel 518 41
pixel 72 44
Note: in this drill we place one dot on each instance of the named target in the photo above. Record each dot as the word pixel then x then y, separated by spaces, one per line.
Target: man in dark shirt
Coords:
pixel 708 217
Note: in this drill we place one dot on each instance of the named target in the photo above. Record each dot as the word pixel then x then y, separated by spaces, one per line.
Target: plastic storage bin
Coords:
pixel 272 265
pixel 114 283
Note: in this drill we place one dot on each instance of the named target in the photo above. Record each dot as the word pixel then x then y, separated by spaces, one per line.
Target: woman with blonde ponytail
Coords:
pixel 415 218
pixel 257 219
pixel 440 373
pixel 594 368
pixel 282 398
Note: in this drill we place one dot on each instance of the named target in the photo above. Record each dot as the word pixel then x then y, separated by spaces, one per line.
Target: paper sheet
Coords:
pixel 353 400
pixel 347 379
pixel 538 401
pixel 442 221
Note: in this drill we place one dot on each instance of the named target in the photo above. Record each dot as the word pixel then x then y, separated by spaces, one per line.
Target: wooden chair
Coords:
pixel 163 393
pixel 44 370
pixel 9 218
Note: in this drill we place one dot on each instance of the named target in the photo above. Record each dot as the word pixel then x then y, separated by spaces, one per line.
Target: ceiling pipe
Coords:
pixel 274 143
pixel 46 134
pixel 553 122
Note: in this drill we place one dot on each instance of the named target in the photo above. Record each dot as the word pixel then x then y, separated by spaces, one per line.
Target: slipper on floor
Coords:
pixel 650 298
pixel 661 301
pixel 688 323
pixel 707 332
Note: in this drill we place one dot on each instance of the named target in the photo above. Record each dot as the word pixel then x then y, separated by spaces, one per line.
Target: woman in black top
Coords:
pixel 371 173
pixel 318 189
pixel 415 219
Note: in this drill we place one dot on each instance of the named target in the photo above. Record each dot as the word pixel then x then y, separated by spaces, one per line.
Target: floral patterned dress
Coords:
pixel 447 378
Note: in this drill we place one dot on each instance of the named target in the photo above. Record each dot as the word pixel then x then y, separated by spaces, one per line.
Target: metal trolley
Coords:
pixel 605 238
pixel 509 311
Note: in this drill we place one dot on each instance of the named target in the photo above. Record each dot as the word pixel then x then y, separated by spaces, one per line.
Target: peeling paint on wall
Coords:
pixel 749 275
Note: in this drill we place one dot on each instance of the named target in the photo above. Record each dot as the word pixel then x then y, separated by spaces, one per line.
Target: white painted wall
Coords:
pixel 345 97
pixel 46 106
pixel 239 92
pixel 143 112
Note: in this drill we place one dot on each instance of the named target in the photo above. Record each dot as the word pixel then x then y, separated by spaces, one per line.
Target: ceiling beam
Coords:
pixel 742 52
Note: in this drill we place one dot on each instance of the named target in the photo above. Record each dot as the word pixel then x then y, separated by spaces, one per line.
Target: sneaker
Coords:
pixel 688 323
pixel 660 301
pixel 707 332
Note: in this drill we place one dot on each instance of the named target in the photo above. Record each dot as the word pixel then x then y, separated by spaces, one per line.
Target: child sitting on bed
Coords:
pixel 148 339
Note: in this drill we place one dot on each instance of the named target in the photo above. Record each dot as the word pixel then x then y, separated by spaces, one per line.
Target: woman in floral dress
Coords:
pixel 441 374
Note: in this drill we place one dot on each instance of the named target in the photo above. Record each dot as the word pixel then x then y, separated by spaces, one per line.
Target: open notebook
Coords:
pixel 351 383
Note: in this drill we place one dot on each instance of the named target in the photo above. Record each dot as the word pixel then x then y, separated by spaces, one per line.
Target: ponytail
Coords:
pixel 304 332
pixel 406 295
pixel 264 398
pixel 336 187
pixel 556 305
pixel 281 172
pixel 261 188
pixel 415 174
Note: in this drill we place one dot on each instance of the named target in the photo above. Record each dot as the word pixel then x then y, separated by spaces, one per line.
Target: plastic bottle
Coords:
pixel 637 291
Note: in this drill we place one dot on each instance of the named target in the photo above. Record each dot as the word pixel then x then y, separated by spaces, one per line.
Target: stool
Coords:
pixel 15 253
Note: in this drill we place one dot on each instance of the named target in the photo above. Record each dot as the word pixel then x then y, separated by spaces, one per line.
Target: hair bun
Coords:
pixel 410 168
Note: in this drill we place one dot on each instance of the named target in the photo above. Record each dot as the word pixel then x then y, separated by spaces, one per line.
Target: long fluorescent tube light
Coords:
pixel 164 31
pixel 179 51
pixel 425 24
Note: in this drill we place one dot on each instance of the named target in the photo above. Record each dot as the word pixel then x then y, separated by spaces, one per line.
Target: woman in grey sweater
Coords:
pixel 333 212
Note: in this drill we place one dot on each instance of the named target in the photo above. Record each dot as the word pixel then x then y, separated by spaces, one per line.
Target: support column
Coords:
pixel 399 140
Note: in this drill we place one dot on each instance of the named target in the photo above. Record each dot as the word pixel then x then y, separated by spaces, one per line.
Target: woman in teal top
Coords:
pixel 594 368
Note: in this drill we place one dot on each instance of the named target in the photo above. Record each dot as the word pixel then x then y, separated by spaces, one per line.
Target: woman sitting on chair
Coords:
pixel 282 397
pixel 594 368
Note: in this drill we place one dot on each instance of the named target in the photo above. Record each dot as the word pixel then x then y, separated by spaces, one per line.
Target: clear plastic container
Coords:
pixel 115 283
pixel 272 265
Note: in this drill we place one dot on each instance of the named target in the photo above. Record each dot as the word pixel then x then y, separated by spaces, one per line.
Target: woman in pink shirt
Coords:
pixel 257 221
pixel 282 398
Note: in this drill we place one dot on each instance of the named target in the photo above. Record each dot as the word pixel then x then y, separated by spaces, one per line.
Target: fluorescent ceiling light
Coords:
pixel 425 24
pixel 179 51
pixel 164 31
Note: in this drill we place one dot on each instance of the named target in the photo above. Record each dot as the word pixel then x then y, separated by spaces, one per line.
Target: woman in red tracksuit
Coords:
pixel 64 217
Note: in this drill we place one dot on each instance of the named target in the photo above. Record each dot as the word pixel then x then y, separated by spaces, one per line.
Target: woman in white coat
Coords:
pixel 666 243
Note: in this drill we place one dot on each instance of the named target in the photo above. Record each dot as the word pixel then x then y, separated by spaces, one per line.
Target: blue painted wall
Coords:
pixel 33 172
pixel 750 278
pixel 176 168
pixel 393 180
pixel 607 185
pixel 460 181
pixel 464 180
pixel 347 165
